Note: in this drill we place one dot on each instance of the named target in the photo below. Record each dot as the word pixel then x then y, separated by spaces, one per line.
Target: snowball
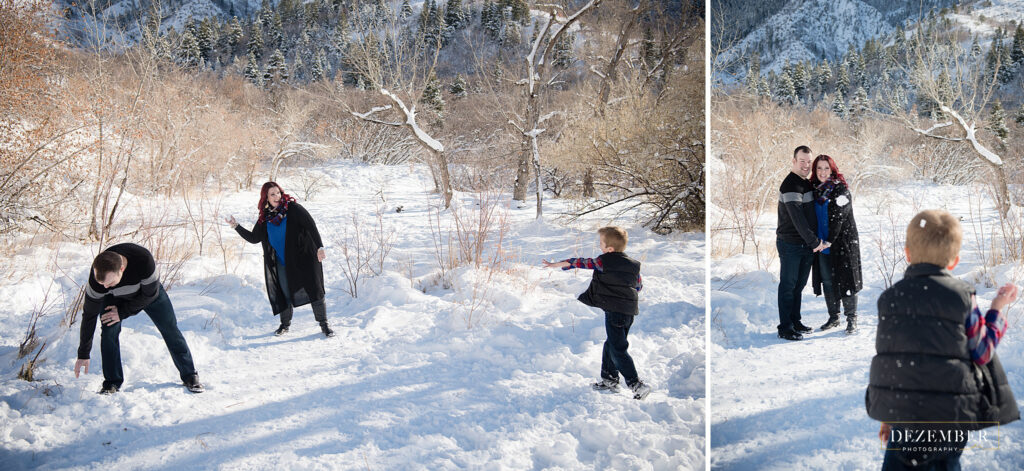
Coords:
pixel 842 200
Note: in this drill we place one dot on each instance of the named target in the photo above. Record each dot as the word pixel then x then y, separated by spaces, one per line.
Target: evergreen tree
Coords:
pixel 432 95
pixel 235 33
pixel 799 76
pixel 276 33
pixel 839 104
pixel 859 106
pixel 455 16
pixel 513 35
pixel 763 90
pixel 252 71
pixel 188 54
pixel 406 10
pixel 785 92
pixel 1008 70
pixel 1017 50
pixel 1019 119
pixel 997 122
pixel 563 51
pixel 298 68
pixel 206 37
pixel 843 80
pixel 975 47
pixel 753 73
pixel 492 20
pixel 277 71
pixel 318 70
pixel 458 87
pixel 824 76
pixel 256 40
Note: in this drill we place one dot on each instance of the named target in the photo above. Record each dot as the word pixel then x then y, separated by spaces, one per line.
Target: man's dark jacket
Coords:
pixel 797 222
pixel 923 370
pixel 139 286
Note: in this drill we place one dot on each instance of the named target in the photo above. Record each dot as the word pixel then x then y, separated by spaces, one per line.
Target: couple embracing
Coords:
pixel 816 234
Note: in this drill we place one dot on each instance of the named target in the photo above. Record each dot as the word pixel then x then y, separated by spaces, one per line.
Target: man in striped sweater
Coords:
pixel 123 281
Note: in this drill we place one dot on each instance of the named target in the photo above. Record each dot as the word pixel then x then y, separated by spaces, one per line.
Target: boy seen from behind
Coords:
pixel 613 289
pixel 936 379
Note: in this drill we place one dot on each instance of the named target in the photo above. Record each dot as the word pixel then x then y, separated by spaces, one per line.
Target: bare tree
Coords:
pixel 537 81
pixel 399 70
pixel 958 88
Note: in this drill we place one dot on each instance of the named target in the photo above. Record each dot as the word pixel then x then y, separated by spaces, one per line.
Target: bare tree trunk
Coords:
pixel 446 181
pixel 610 75
pixel 588 183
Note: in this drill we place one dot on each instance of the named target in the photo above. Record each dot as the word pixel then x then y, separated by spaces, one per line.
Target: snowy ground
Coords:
pixel 404 385
pixel 800 405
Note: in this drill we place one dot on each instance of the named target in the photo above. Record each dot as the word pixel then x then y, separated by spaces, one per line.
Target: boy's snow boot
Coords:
pixel 640 390
pixel 193 384
pixel 833 321
pixel 281 330
pixel 851 325
pixel 606 385
pixel 326 330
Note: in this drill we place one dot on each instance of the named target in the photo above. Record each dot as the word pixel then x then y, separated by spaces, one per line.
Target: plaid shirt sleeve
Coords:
pixel 984 333
pixel 588 263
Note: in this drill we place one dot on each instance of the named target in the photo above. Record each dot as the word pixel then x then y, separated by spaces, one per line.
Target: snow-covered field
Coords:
pixel 800 405
pixel 404 385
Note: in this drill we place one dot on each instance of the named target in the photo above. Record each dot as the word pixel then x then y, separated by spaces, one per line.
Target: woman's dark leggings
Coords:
pixel 319 306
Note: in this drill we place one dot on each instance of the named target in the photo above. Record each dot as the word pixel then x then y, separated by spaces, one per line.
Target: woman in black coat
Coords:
pixel 292 256
pixel 836 270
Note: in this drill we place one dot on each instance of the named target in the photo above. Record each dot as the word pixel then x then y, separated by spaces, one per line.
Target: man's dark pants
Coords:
pixel 795 262
pixel 161 313
pixel 615 358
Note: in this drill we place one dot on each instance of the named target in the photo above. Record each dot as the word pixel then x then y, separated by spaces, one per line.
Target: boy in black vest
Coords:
pixel 936 378
pixel 614 290
pixel 122 282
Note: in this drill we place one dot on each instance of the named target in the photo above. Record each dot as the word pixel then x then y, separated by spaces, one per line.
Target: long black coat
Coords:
pixel 305 272
pixel 845 249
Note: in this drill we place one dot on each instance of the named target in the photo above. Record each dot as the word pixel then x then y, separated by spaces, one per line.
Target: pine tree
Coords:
pixel 276 33
pixel 753 73
pixel 997 122
pixel 206 37
pixel 277 72
pixel 458 87
pixel 234 33
pixel 1017 50
pixel 824 76
pixel 406 10
pixel 564 56
pixel 454 15
pixel 1019 119
pixel 252 71
pixel 799 76
pixel 316 71
pixel 843 80
pixel 763 90
pixel 859 106
pixel 785 92
pixel 256 40
pixel 188 54
pixel 1008 70
pixel 975 47
pixel 432 95
pixel 839 104
pixel 492 20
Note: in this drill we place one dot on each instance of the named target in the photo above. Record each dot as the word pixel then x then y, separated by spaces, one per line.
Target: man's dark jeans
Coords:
pixel 615 358
pixel 795 262
pixel 161 313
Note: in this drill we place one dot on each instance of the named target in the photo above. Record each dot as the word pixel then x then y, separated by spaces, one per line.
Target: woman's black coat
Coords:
pixel 305 272
pixel 845 250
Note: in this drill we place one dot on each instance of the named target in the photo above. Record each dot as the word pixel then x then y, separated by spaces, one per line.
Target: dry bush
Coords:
pixel 364 249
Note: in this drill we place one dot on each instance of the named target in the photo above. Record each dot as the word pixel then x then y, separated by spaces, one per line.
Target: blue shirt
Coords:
pixel 821 211
pixel 276 235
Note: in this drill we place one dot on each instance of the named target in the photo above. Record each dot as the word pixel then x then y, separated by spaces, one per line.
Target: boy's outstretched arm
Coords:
pixel 570 263
pixel 985 331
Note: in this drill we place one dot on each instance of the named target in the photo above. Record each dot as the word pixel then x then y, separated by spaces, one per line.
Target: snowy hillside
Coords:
pixel 800 405
pixel 806 30
pixel 404 385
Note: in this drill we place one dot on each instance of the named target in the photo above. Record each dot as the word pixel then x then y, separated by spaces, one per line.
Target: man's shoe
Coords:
pixel 800 327
pixel 606 385
pixel 833 321
pixel 851 325
pixel 640 390
pixel 108 389
pixel 193 384
pixel 790 335
pixel 326 330
pixel 281 330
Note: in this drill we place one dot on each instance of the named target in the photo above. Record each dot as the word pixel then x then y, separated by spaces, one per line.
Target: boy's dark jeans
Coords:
pixel 162 314
pixel 615 358
pixel 795 262
pixel 918 456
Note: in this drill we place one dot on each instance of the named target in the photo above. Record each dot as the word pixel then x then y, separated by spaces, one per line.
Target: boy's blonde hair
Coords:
pixel 934 236
pixel 614 237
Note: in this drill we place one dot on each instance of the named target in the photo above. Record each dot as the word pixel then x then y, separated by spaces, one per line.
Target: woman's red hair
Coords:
pixel 263 197
pixel 831 164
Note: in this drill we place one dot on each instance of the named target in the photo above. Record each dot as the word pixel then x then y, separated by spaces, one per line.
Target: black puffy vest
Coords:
pixel 923 370
pixel 614 288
